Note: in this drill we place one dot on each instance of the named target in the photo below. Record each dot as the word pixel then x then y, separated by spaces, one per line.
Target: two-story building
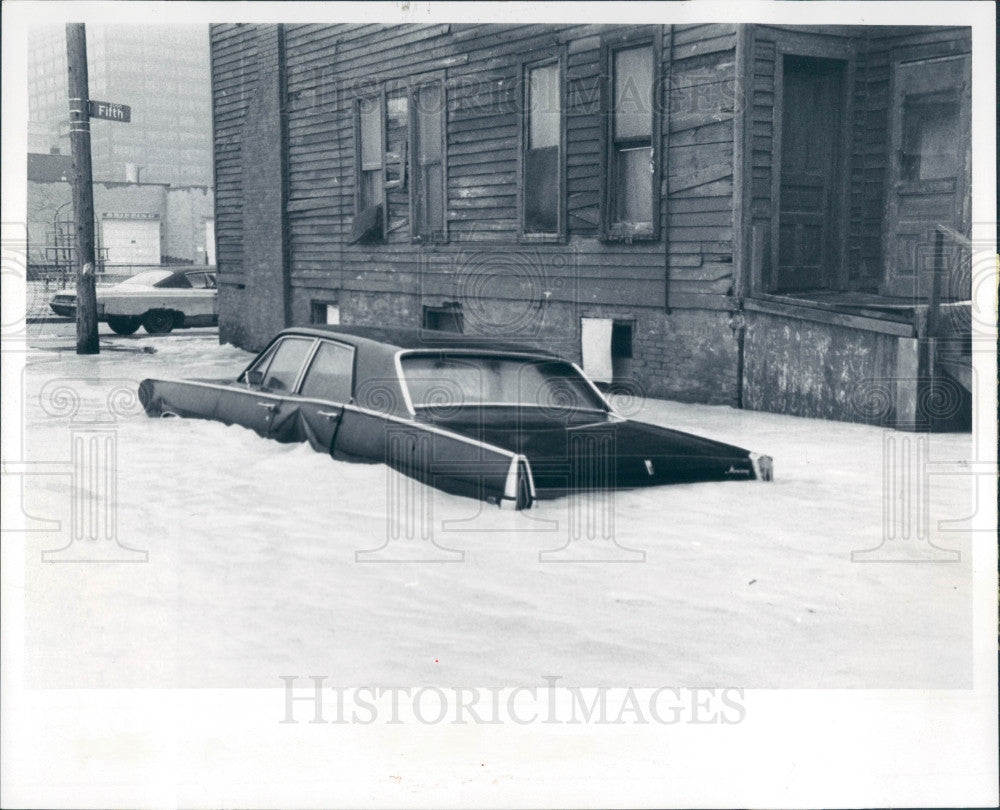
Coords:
pixel 736 214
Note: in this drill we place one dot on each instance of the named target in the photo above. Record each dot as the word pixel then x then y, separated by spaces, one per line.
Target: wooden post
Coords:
pixel 83 189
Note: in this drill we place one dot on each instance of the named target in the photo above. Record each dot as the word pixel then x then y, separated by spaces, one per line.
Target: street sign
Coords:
pixel 110 111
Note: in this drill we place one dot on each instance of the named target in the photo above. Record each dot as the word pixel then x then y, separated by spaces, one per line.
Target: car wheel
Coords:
pixel 123 324
pixel 158 322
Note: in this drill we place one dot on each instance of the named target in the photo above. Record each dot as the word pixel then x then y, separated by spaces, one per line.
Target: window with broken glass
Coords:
pixel 631 193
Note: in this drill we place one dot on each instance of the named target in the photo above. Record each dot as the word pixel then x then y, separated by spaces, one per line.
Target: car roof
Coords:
pixel 414 339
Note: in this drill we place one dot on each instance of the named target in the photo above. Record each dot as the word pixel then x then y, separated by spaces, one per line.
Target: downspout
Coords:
pixel 286 268
pixel 665 170
pixel 742 223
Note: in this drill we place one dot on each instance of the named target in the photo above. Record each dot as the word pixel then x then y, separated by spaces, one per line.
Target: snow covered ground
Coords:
pixel 252 569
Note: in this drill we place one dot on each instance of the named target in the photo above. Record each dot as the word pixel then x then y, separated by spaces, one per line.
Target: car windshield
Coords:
pixel 454 380
pixel 150 278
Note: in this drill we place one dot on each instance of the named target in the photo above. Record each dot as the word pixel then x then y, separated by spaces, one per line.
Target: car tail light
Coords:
pixel 763 466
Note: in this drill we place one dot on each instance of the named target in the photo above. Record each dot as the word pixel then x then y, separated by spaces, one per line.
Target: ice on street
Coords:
pixel 253 569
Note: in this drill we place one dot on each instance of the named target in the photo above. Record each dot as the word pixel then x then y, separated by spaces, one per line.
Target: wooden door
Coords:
pixel 807 251
pixel 929 169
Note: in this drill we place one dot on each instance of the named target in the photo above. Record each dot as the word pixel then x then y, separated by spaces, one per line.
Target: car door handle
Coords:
pixel 269 405
pixel 329 414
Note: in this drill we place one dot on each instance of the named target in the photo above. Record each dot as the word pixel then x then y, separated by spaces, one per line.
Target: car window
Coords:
pixel 286 364
pixel 330 373
pixel 201 281
pixel 436 380
pixel 173 281
pixel 150 278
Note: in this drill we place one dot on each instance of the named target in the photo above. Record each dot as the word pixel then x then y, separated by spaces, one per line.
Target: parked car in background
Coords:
pixel 157 300
pixel 497 422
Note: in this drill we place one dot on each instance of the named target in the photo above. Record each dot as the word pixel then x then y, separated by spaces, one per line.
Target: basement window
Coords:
pixel 324 312
pixel 446 318
pixel 606 348
pixel 621 351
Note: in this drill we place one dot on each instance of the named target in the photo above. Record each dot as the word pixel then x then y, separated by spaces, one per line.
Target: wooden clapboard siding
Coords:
pixel 699 133
pixel 328 66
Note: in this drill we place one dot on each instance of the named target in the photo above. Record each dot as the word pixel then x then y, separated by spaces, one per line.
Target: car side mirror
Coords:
pixel 255 378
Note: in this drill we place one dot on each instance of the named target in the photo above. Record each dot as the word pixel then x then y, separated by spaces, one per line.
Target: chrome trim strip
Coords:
pixel 346 406
pixel 402 381
pixel 305 365
pixel 597 391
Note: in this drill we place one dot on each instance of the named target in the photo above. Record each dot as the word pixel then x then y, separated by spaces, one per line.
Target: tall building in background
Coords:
pixel 161 71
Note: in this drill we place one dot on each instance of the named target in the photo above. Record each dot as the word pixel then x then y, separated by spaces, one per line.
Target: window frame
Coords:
pixel 379 99
pixel 315 303
pixel 311 358
pixel 415 86
pixel 611 230
pixel 264 362
pixel 524 66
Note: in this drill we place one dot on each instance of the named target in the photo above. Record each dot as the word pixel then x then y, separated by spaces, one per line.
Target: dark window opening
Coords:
pixel 397 105
pixel 324 312
pixel 621 351
pixel 447 318
pixel 541 180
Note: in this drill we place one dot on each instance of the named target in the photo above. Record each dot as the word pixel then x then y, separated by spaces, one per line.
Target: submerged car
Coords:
pixel 157 300
pixel 501 423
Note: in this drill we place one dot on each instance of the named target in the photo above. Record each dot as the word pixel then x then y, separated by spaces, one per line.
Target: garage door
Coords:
pixel 131 241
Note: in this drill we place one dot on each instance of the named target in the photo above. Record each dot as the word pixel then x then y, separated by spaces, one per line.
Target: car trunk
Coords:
pixel 588 450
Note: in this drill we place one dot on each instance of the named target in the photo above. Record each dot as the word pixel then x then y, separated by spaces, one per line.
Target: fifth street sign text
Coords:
pixel 110 111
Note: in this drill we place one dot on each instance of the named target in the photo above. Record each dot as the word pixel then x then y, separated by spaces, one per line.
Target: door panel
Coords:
pixel 314 413
pixel 929 169
pixel 256 408
pixel 242 405
pixel 806 254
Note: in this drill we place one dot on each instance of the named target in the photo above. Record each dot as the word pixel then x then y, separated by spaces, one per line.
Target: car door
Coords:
pixel 255 406
pixel 200 305
pixel 314 413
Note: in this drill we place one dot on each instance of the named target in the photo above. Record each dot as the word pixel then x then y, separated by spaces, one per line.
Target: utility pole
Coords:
pixel 83 189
